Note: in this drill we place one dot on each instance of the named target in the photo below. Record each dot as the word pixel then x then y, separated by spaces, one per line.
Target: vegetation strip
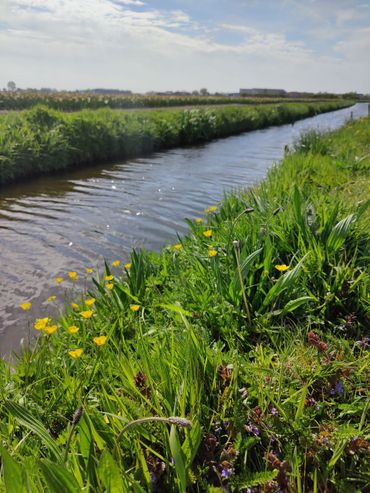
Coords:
pixel 75 101
pixel 237 359
pixel 42 140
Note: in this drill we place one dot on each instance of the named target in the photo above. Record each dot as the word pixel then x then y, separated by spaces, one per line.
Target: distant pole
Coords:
pixel 368 109
pixel 351 115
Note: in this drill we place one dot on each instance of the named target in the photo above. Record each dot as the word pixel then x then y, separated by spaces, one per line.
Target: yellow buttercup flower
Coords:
pixel 100 341
pixel 134 308
pixel 41 323
pixel 89 270
pixel 73 329
pixel 50 329
pixel 198 220
pixel 208 233
pixel 90 301
pixel 128 266
pixel 86 314
pixel 74 306
pixel 281 267
pixel 178 246
pixel 76 353
pixel 116 263
pixel 109 285
pixel 51 298
pixel 73 275
pixel 106 419
pixel 26 306
pixel 58 280
pixel 212 208
pixel 212 252
pixel 108 278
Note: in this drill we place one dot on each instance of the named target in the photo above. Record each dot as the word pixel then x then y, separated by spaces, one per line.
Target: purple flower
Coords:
pixel 153 477
pixel 251 428
pixel 274 411
pixel 226 472
pixel 339 389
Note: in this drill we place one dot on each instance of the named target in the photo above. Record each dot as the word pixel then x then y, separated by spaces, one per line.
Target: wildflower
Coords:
pixel 212 252
pixel 106 419
pixel 212 208
pixel 86 314
pixel 127 266
pixel 50 329
pixel 51 298
pixel 251 428
pixel 281 267
pixel 108 278
pixel 90 301
pixel 73 275
pixel 76 353
pixel 100 341
pixel 41 323
pixel 226 470
pixel 89 270
pixel 178 246
pixel 74 306
pixel 58 280
pixel 109 286
pixel 198 220
pixel 208 233
pixel 134 308
pixel 73 329
pixel 116 263
pixel 26 306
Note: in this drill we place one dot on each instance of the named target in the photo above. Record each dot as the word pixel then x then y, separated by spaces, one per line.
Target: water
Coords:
pixel 57 224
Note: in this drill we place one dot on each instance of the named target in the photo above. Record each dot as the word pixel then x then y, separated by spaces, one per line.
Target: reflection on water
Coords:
pixel 56 224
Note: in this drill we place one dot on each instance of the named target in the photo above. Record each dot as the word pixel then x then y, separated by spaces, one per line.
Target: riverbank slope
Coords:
pixel 42 140
pixel 237 358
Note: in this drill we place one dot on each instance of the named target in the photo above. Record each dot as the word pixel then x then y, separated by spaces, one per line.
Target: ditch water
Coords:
pixel 57 224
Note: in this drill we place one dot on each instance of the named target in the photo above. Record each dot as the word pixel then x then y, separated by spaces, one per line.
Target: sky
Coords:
pixel 221 45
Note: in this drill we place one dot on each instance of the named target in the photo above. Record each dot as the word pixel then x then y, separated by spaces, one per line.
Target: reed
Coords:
pixel 42 140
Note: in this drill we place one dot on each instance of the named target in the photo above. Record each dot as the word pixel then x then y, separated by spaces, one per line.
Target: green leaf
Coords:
pixel 294 304
pixel 192 442
pixel 339 233
pixel 179 458
pixel 110 474
pixel 14 474
pixel 27 419
pixel 258 479
pixel 58 478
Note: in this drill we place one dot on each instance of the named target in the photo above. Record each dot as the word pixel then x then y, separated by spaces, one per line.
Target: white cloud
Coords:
pixel 126 43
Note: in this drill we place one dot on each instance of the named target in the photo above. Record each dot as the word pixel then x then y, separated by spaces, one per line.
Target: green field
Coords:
pixel 74 101
pixel 42 140
pixel 235 360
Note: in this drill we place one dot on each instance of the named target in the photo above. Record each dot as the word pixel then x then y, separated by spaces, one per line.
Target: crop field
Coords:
pixel 67 101
pixel 236 359
pixel 42 140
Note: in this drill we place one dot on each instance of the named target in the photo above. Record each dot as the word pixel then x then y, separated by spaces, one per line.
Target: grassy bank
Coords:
pixel 43 140
pixel 235 360
pixel 69 101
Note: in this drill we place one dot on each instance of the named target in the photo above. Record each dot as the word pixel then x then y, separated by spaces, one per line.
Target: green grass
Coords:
pixel 259 376
pixel 42 140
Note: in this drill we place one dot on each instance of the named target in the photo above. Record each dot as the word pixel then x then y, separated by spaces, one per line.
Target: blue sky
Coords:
pixel 314 45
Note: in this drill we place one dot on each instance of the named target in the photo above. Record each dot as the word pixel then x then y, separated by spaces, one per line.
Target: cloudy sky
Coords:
pixel 142 45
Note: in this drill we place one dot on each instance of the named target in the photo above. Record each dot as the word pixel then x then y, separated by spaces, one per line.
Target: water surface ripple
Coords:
pixel 53 225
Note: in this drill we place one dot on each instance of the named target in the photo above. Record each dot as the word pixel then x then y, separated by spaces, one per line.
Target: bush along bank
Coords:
pixel 42 140
pixel 234 360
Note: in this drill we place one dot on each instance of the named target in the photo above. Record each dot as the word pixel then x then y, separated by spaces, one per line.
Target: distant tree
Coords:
pixel 11 86
pixel 204 92
pixel 195 93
